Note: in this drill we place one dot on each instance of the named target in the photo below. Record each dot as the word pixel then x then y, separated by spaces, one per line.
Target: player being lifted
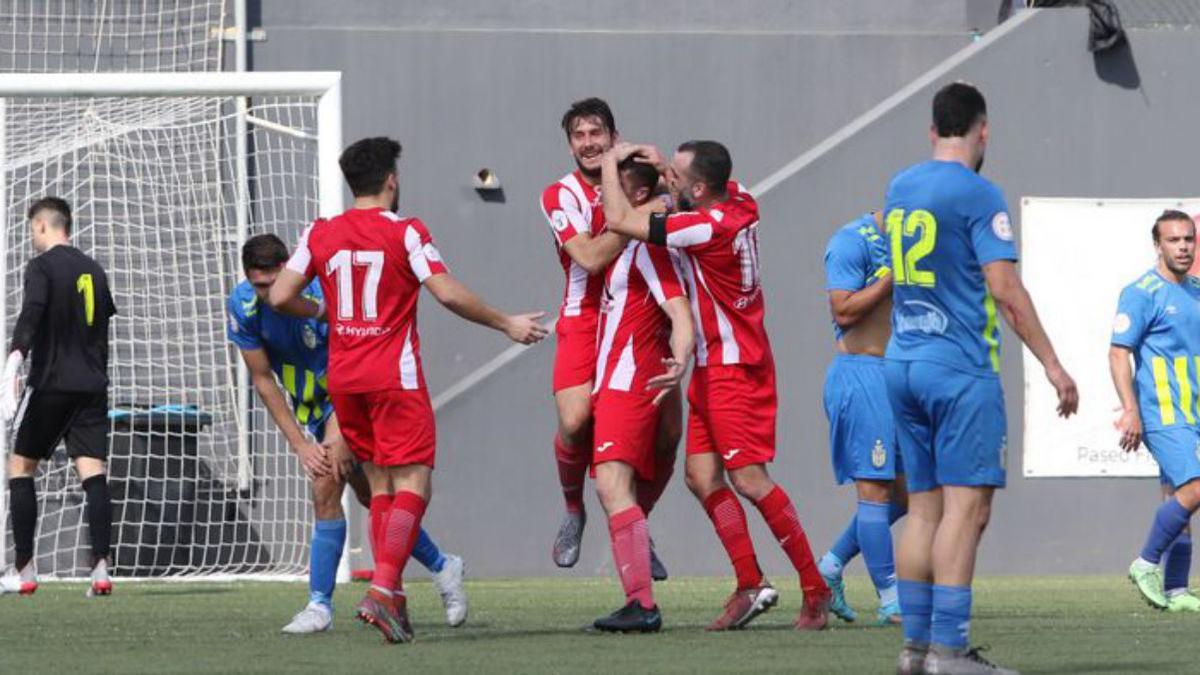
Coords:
pixel 862 434
pixel 1158 322
pixel 296 350
pixel 645 325
pixel 64 322
pixel 572 208
pixel 953 265
pixel 732 397
pixel 371 264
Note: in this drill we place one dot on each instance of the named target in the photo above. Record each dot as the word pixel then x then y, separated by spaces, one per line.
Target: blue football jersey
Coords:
pixel 1159 321
pixel 298 348
pixel 856 257
pixel 944 223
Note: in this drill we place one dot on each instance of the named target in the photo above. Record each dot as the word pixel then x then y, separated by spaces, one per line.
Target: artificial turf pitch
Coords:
pixel 1034 624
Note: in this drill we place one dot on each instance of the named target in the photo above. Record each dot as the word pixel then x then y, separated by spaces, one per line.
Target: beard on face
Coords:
pixel 1178 267
pixel 590 173
pixel 395 207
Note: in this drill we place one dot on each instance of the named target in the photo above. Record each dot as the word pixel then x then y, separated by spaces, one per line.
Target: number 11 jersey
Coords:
pixel 371 264
pixel 945 223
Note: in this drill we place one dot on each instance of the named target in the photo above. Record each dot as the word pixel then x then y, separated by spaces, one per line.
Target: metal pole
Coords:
pixel 329 190
pixel 242 219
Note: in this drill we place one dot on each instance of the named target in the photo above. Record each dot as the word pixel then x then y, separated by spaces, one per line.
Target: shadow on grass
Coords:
pixel 1140 666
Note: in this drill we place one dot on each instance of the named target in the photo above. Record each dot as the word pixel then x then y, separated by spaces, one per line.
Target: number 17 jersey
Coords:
pixel 946 222
pixel 371 264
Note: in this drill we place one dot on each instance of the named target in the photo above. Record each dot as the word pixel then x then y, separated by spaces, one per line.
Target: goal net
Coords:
pixel 167 175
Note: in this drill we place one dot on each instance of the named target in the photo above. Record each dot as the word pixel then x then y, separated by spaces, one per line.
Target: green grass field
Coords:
pixel 1038 625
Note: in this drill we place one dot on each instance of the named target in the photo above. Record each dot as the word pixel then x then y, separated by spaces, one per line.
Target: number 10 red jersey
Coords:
pixel 371 264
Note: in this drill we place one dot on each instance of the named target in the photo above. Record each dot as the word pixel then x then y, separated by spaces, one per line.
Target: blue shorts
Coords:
pixel 862 435
pixel 1177 451
pixel 951 425
pixel 315 424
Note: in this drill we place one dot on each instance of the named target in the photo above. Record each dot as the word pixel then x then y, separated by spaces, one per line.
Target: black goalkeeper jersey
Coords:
pixel 64 322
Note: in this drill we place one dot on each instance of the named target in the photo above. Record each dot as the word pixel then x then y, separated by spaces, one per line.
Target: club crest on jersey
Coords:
pixel 878 455
pixel 559 221
pixel 309 336
pixel 1121 323
pixel 1002 227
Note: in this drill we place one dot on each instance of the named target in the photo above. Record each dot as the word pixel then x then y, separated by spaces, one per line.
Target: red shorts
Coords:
pixel 575 357
pixel 732 413
pixel 393 427
pixel 625 428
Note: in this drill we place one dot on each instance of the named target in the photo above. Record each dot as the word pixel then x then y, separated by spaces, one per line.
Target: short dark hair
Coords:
pixel 58 206
pixel 956 108
pixel 641 174
pixel 589 107
pixel 1167 215
pixel 711 163
pixel 263 252
pixel 367 163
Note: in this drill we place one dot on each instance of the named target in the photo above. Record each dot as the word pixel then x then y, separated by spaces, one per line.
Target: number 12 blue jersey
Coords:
pixel 945 222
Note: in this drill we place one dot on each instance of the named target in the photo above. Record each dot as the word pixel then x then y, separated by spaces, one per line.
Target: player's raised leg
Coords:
pixel 572 454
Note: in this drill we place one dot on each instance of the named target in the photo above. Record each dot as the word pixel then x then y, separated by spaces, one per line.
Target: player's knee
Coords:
pixel 701 484
pixel 327 498
pixel 751 483
pixel 573 425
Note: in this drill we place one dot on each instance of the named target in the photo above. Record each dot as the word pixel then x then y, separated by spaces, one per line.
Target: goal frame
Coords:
pixel 325 86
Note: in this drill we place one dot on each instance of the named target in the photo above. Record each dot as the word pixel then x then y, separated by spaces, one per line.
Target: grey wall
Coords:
pixel 461 98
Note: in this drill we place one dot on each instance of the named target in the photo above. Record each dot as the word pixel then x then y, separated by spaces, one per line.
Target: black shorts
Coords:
pixel 44 418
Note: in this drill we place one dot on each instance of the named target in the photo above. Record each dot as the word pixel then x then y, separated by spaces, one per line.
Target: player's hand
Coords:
pixel 1068 395
pixel 314 459
pixel 1129 425
pixel 623 151
pixel 649 154
pixel 341 459
pixel 668 380
pixel 524 328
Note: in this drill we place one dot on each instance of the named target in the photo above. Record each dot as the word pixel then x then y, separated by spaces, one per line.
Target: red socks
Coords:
pixel 780 514
pixel 381 506
pixel 395 538
pixel 572 469
pixel 630 539
pixel 729 520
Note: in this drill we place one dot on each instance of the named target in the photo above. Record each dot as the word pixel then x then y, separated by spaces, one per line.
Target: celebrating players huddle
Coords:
pixel 661 262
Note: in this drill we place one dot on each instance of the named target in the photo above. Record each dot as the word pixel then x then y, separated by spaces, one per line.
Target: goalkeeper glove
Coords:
pixel 9 384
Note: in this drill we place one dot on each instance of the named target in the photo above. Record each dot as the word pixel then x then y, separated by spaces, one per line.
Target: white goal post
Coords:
pixel 168 173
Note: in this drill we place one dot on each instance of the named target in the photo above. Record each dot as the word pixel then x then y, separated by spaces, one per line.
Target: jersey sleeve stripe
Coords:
pixel 301 260
pixel 416 255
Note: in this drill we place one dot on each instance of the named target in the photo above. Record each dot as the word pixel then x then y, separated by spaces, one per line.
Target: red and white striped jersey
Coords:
pixel 719 259
pixel 634 331
pixel 371 264
pixel 572 207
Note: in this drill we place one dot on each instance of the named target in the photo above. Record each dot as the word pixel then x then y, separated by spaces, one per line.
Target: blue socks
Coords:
pixel 1178 564
pixel 875 538
pixel 916 606
pixel 848 544
pixel 328 538
pixel 951 616
pixel 1169 522
pixel 427 552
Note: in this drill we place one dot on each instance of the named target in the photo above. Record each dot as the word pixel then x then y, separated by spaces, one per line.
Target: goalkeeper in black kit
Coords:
pixel 63 332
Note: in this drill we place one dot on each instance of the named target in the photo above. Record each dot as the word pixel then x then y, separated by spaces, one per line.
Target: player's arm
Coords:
pixel 456 297
pixel 312 456
pixel 849 307
pixel 33 307
pixel 595 253
pixel 683 342
pixel 286 296
pixel 1129 424
pixel 1017 308
pixel 620 216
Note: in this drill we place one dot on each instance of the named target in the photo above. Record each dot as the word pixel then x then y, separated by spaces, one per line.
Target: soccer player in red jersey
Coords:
pixel 576 217
pixel 732 398
pixel 372 263
pixel 645 324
